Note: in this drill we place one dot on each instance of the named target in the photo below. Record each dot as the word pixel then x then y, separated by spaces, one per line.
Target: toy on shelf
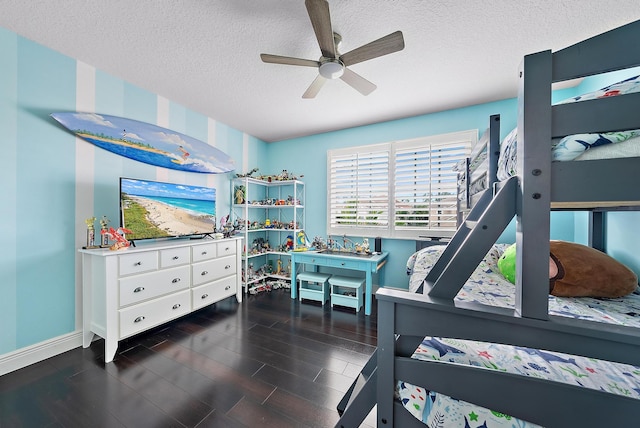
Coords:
pixel 248 174
pixel 302 243
pixel 348 246
pixel 289 243
pixel 283 176
pixel 319 243
pixel 240 194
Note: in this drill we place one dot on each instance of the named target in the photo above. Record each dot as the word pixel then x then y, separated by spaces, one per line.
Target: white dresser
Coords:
pixel 129 291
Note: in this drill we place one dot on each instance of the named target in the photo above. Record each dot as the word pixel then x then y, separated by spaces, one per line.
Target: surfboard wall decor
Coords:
pixel 146 143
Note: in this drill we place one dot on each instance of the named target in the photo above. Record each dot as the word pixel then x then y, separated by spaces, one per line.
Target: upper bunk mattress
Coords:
pixel 576 147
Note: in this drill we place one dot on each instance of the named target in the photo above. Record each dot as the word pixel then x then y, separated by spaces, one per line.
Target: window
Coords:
pixel 401 189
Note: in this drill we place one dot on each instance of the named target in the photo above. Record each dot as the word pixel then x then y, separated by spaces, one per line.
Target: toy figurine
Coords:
pixel 116 235
pixel 248 174
pixel 240 195
pixel 104 223
pixel 91 232
pixel 289 243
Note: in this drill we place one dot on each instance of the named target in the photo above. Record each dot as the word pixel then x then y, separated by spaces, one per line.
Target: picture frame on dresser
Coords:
pixel 128 292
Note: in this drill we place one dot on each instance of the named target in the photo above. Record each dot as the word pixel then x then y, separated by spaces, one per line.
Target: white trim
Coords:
pixel 40 351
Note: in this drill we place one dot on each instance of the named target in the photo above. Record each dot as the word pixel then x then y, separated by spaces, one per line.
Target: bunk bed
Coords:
pixel 478 172
pixel 406 320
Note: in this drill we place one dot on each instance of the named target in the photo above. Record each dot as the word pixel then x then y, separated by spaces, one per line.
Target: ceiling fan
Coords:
pixel 332 64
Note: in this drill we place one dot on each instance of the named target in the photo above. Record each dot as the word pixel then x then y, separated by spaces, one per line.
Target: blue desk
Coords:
pixel 369 265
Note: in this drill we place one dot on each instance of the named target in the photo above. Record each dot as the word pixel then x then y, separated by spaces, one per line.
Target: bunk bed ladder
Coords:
pixel 472 241
pixel 361 396
pixel 479 206
pixel 458 238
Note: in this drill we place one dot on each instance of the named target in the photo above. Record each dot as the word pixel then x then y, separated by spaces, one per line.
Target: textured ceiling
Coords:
pixel 205 54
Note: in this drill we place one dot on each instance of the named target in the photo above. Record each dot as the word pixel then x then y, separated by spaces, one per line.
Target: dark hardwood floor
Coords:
pixel 268 362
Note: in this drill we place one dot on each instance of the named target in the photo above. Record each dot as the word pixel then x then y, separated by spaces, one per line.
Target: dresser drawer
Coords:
pixel 212 269
pixel 204 252
pixel 134 289
pixel 138 262
pixel 137 318
pixel 213 292
pixel 174 257
pixel 226 248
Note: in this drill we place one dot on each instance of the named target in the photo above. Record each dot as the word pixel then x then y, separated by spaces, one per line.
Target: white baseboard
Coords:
pixel 40 351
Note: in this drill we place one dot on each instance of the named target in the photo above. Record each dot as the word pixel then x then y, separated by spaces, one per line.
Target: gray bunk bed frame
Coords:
pixel 404 319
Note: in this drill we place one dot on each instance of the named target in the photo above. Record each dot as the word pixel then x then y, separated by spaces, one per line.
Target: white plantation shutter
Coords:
pixel 396 190
pixel 359 190
pixel 426 186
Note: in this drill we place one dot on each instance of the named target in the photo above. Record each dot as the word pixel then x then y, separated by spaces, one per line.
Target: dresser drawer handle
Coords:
pixel 227 249
pixel 175 280
pixel 176 306
pixel 342 264
pixel 139 319
pixel 204 296
pixel 313 260
pixel 138 289
pixel 228 287
pixel 227 267
pixel 204 253
pixel 175 257
pixel 204 272
pixel 137 264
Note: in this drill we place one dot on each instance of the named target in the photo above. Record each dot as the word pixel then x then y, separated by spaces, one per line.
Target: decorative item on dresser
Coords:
pixel 130 291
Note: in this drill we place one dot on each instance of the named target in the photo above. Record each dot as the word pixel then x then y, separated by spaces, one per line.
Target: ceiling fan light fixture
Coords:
pixel 332 69
pixel 332 64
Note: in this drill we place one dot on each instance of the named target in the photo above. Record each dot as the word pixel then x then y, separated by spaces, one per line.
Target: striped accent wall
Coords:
pixel 53 181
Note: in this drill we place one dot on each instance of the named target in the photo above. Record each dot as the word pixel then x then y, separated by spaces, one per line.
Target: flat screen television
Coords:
pixel 153 209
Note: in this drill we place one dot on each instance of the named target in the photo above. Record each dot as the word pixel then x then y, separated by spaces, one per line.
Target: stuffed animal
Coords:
pixel 578 271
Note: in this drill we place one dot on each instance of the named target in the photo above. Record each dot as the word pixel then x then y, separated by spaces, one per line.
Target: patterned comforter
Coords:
pixel 488 286
pixel 575 147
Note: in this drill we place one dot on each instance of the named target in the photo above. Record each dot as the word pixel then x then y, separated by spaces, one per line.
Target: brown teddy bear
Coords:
pixel 579 271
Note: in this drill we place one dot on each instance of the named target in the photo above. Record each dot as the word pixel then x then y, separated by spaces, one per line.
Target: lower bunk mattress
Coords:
pixel 488 286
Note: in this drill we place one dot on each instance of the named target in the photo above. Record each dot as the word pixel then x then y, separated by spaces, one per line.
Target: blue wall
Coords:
pixel 52 181
pixel 309 154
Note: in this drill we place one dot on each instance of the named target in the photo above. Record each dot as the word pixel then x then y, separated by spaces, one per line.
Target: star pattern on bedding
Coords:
pixel 443 348
pixel 484 286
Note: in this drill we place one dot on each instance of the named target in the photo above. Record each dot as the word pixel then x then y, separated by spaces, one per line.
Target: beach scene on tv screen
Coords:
pixel 153 209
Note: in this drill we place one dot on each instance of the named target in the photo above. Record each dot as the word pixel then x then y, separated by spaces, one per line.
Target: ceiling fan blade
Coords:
pixel 315 87
pixel 287 60
pixel 321 20
pixel 358 82
pixel 385 45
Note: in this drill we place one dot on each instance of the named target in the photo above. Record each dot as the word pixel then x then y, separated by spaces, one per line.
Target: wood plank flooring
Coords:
pixel 268 362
